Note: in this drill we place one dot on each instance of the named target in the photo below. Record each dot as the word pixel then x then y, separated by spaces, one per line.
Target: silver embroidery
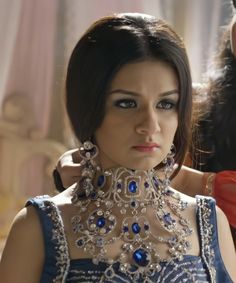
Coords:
pixel 206 233
pixel 58 236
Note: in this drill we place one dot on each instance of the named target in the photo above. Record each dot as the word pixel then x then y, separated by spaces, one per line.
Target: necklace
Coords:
pixel 126 206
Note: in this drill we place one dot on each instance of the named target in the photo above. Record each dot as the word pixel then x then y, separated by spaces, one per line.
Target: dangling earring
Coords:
pixel 88 151
pixel 85 188
pixel 169 162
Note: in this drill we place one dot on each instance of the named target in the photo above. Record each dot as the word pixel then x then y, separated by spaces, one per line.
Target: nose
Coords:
pixel 147 122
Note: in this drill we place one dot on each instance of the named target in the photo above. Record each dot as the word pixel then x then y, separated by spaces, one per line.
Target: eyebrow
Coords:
pixel 133 93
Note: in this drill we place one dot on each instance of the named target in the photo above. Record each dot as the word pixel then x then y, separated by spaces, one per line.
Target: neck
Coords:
pixel 135 209
pixel 125 185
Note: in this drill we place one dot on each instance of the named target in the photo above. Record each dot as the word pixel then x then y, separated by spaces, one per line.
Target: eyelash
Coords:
pixel 130 103
pixel 168 105
pixel 126 103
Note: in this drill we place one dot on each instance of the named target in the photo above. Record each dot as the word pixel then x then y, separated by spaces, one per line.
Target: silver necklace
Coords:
pixel 122 205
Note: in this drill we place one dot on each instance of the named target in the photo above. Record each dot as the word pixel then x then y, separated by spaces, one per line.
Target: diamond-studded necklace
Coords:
pixel 128 206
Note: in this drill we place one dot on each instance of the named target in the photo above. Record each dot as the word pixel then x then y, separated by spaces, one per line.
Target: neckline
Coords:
pixel 89 260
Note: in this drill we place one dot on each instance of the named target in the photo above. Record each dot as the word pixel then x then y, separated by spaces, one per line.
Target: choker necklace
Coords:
pixel 127 207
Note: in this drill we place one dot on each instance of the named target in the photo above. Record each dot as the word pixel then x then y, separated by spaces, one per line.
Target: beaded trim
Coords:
pixel 206 233
pixel 59 238
pixel 186 271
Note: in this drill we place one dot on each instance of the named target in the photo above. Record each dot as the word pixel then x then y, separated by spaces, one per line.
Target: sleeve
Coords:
pixel 57 260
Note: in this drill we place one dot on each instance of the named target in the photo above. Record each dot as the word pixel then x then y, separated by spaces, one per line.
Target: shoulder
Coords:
pixel 222 225
pixel 186 198
pixel 24 249
pixel 226 245
pixel 221 218
pixel 189 203
pixel 26 224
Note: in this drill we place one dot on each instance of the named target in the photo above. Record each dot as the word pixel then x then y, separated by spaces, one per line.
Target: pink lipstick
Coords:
pixel 147 147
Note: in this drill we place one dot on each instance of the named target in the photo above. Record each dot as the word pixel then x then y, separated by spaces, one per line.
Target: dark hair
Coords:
pixel 234 3
pixel 214 135
pixel 109 44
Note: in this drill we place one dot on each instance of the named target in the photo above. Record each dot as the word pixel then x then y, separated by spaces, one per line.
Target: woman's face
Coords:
pixel 141 116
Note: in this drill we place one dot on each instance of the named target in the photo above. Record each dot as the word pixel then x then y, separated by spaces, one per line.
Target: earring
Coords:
pixel 85 188
pixel 88 151
pixel 169 162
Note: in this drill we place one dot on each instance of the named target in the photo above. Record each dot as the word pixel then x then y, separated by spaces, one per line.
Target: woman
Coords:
pixel 214 138
pixel 122 222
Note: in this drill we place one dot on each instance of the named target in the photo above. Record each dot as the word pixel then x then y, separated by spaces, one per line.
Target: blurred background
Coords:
pixel 36 39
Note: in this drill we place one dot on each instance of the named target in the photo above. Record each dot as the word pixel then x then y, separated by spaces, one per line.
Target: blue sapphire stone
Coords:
pixel 141 257
pixel 132 187
pixel 101 222
pixel 109 273
pixel 125 228
pixel 146 227
pixel 133 203
pixel 136 228
pixel 167 219
pixel 80 242
pixel 119 186
pixel 146 185
pixel 156 182
pixel 169 192
pixel 101 181
pixel 93 195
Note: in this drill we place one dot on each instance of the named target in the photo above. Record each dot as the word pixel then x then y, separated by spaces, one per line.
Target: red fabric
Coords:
pixel 225 194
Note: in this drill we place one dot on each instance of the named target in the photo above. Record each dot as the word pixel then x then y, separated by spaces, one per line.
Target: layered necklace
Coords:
pixel 128 207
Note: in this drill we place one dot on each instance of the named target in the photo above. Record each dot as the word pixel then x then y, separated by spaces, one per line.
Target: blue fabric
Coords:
pixel 49 268
pixel 221 272
pixel 83 270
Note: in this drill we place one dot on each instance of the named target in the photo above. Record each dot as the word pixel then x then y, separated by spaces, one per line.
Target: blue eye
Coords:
pixel 126 103
pixel 166 104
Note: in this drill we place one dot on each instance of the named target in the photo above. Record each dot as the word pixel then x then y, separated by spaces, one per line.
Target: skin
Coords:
pixel 189 181
pixel 150 94
pixel 23 255
pixel 155 121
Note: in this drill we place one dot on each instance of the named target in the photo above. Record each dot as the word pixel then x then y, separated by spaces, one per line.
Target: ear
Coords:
pixel 233 36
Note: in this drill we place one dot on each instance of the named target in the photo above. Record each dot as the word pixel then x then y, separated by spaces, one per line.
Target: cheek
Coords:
pixel 170 124
pixel 170 131
pixel 175 126
pixel 115 126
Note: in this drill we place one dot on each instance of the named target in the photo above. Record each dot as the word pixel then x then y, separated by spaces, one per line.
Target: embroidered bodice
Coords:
pixel 207 267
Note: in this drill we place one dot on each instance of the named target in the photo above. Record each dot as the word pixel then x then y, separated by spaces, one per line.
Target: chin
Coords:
pixel 143 166
pixel 133 164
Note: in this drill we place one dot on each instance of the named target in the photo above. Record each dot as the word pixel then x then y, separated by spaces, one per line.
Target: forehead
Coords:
pixel 144 75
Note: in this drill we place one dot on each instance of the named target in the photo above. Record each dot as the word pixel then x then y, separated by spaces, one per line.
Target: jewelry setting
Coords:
pixel 126 206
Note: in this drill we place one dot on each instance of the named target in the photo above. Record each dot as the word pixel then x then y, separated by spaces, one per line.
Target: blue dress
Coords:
pixel 207 267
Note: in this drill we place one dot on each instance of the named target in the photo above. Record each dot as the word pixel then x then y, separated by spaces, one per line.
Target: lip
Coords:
pixel 147 147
